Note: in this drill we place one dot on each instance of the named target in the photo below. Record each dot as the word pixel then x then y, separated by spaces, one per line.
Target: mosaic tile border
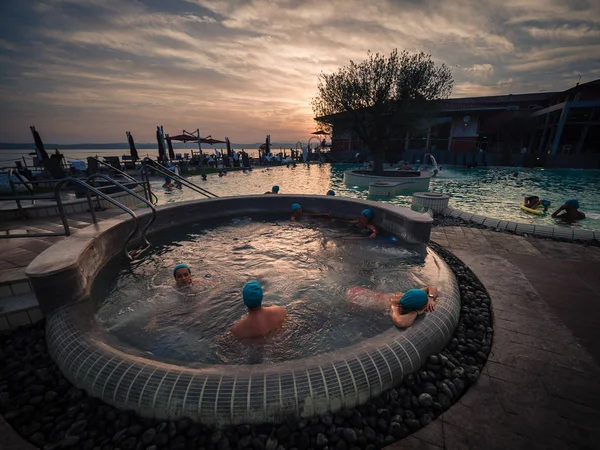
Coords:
pixel 525 228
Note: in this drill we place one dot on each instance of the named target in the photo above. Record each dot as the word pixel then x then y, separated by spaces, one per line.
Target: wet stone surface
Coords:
pixel 44 408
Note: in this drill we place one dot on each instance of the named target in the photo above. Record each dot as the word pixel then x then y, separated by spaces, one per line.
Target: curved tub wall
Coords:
pixel 225 394
pixel 71 265
pixel 230 394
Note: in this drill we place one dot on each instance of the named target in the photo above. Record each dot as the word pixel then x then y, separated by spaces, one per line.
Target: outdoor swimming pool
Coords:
pixel 492 192
pixel 305 268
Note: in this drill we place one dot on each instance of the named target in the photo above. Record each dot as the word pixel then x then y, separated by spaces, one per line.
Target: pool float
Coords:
pixel 539 209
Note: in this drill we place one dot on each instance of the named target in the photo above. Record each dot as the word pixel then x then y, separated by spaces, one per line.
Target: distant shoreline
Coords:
pixel 142 146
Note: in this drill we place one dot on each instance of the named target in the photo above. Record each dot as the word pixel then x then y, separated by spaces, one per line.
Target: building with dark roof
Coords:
pixel 551 129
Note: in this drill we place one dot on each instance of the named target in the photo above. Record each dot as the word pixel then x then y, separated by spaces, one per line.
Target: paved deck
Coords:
pixel 540 388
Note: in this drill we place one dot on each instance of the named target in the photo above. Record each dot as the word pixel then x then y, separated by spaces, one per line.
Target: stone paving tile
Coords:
pixel 19 257
pixel 35 245
pixel 5 265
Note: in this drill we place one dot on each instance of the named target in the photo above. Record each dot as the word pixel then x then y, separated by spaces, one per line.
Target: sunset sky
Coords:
pixel 88 70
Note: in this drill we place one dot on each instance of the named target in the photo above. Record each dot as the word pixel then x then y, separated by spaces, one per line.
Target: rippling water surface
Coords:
pixel 493 192
pixel 305 268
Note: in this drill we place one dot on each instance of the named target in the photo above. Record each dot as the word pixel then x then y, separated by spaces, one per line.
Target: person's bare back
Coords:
pixel 259 322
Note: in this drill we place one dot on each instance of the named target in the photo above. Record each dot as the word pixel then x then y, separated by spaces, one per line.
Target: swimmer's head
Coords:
pixel 275 189
pixel 414 300
pixel 367 213
pixel 572 203
pixel 331 192
pixel 296 207
pixel 252 294
pixel 182 274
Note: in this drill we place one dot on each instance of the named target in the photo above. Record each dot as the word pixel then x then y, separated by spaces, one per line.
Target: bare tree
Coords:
pixel 381 97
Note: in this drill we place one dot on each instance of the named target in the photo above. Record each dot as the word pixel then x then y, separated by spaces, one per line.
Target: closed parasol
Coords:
pixel 132 150
pixel 39 145
pixel 161 147
pixel 170 145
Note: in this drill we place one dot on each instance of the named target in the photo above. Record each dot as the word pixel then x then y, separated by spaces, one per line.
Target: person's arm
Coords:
pixel 373 229
pixel 431 290
pixel 402 321
pixel 555 213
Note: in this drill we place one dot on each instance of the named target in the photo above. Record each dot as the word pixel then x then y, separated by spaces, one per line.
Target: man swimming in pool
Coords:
pixel 260 320
pixel 364 222
pixel 571 211
pixel 404 307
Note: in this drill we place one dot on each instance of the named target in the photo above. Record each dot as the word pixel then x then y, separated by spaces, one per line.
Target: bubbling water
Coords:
pixel 305 267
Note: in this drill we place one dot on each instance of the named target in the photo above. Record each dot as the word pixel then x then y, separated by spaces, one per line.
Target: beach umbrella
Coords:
pixel 183 138
pixel 268 144
pixel 228 146
pixel 39 145
pixel 132 150
pixel 170 145
pixel 161 147
pixel 211 141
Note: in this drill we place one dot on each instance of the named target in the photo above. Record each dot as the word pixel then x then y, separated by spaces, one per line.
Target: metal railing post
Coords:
pixel 61 210
pixel 91 205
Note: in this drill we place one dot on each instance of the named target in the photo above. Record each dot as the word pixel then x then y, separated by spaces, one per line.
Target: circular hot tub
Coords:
pixel 108 367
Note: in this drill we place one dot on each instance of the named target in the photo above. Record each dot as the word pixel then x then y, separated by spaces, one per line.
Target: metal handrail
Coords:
pixel 109 199
pixel 136 195
pixel 147 190
pixel 184 181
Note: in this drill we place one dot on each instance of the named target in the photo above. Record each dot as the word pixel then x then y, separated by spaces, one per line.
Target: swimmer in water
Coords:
pixel 331 192
pixel 183 278
pixel 274 190
pixel 404 307
pixel 182 274
pixel 260 320
pixel 364 222
pixel 571 211
pixel 298 213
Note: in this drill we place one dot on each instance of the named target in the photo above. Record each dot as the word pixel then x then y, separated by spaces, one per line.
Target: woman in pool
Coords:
pixel 364 222
pixel 183 278
pixel 404 307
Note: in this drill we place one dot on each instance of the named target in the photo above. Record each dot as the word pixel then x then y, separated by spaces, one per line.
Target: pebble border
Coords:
pixel 543 231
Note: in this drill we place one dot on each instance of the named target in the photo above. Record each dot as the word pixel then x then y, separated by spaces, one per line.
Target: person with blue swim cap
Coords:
pixel 274 190
pixel 571 214
pixel 260 320
pixel 182 274
pixel 331 192
pixel 364 222
pixel 405 307
pixel 296 212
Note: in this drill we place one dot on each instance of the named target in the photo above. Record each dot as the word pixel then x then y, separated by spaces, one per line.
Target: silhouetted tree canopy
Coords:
pixel 381 96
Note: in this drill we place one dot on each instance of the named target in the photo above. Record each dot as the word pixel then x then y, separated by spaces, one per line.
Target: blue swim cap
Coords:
pixel 367 213
pixel 275 189
pixel 181 266
pixel 573 203
pixel 296 206
pixel 414 299
pixel 252 294
pixel 167 179
pixel 330 192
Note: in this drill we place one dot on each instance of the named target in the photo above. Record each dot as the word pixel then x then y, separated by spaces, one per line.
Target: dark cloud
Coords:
pixel 85 70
